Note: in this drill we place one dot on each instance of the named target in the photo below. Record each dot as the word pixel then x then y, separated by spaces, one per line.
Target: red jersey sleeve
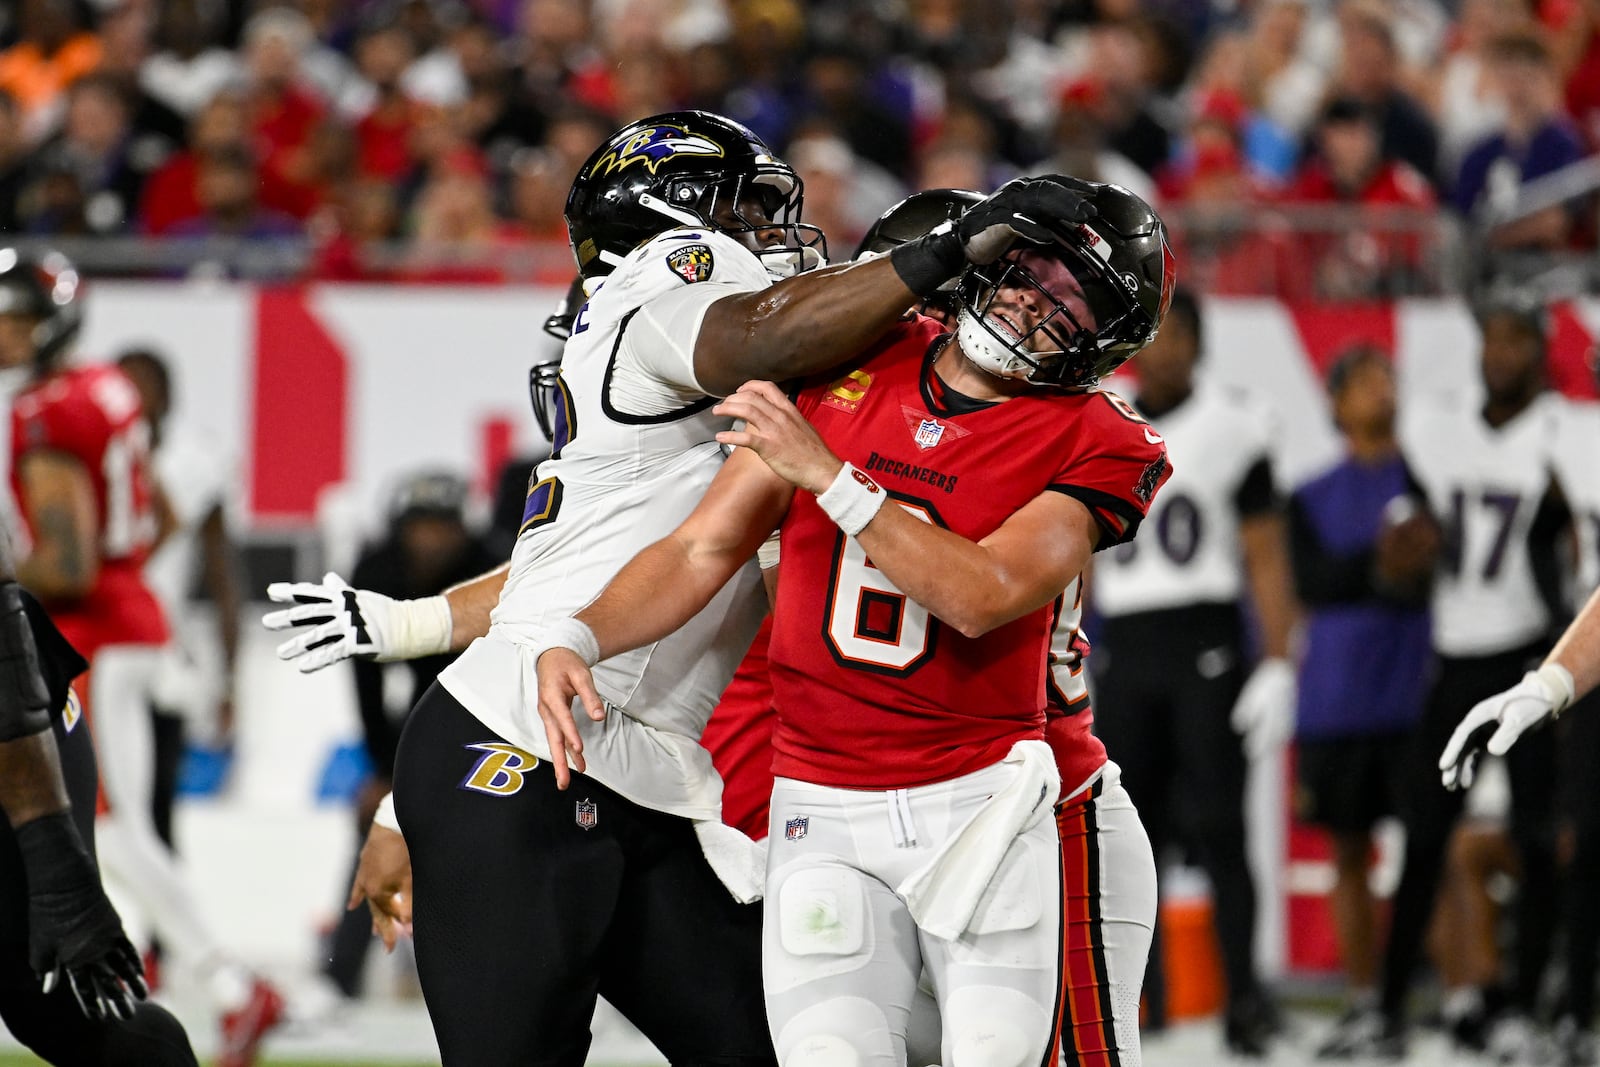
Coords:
pixel 1115 466
pixel 69 423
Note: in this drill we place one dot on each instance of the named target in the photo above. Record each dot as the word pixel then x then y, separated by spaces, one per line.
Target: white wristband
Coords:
pixel 385 816
pixel 569 633
pixel 418 628
pixel 1558 686
pixel 852 500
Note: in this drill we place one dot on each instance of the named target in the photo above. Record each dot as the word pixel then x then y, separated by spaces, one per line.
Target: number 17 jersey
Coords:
pixel 872 691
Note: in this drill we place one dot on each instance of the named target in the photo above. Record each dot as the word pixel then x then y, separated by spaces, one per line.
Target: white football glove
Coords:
pixel 341 622
pixel 1264 713
pixel 1496 723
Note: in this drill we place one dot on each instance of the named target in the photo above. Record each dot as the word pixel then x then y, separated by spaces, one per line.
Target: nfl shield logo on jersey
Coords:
pixel 794 829
pixel 588 814
pixel 928 433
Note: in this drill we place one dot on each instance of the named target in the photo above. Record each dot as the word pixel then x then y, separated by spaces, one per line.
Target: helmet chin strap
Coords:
pixel 986 351
pixel 661 207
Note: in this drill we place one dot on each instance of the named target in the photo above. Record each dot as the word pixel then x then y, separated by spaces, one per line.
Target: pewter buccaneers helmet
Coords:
pixel 1125 267
pixel 44 288
pixel 916 216
pixel 686 168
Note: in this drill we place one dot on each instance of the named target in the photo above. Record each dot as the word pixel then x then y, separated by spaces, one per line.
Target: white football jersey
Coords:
pixel 635 449
pixel 1484 485
pixel 1574 460
pixel 1187 550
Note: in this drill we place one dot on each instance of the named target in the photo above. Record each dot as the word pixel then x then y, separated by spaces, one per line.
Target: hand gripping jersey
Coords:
pixel 873 692
pixel 1484 484
pixel 92 414
pixel 1221 442
pixel 634 451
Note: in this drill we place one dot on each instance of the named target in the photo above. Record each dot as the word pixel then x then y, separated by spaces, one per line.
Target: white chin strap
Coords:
pixel 984 347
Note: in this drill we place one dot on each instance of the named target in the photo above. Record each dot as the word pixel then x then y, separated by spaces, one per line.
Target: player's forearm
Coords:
pixel 59 568
pixel 799 326
pixel 1271 578
pixel 966 585
pixel 30 778
pixel 470 604
pixel 1578 650
pixel 222 582
pixel 657 592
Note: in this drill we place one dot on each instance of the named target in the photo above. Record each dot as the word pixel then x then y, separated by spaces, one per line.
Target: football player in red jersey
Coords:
pixel 910 655
pixel 90 510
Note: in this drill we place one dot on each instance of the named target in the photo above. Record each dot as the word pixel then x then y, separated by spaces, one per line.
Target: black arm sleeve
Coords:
pixel 1320 575
pixel 1544 556
pixel 1256 494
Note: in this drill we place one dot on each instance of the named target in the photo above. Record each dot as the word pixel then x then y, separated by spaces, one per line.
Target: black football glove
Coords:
pixel 1036 210
pixel 74 934
pixel 1029 209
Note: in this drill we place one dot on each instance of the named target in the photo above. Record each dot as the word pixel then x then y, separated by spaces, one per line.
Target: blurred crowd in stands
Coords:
pixel 1303 148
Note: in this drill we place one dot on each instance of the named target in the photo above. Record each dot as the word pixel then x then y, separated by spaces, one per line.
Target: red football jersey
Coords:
pixel 739 738
pixel 871 691
pixel 92 413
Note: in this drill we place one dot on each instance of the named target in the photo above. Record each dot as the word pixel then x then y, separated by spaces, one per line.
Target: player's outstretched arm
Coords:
pixel 819 319
pixel 971 586
pixel 655 593
pixel 57 495
pixel 1571 671
pixel 333 622
pixel 74 934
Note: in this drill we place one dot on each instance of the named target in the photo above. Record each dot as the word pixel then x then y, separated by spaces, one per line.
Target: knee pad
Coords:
pixel 837 1032
pixel 992 1026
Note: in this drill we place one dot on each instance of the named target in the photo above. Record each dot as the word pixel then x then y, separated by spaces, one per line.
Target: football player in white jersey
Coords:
pixel 679 223
pixel 1566 678
pixel 1487 471
pixel 1170 668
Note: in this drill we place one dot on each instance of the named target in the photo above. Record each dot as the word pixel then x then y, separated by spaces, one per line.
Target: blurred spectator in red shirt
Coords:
pixel 1334 257
pixel 283 113
pixel 170 195
pixel 1369 72
pixel 228 203
pixel 383 131
pixel 1078 143
pixel 456 235
pixel 362 217
pixel 52 51
pixel 1536 139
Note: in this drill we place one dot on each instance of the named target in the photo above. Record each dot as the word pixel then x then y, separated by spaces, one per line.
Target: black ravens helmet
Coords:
pixel 687 168
pixel 1124 268
pixel 915 216
pixel 45 289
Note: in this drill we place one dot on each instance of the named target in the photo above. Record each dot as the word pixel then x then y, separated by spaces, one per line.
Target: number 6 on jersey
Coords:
pixel 871 624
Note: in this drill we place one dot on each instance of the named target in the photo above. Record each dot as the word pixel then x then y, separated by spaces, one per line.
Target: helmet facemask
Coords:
pixel 1063 347
pixel 753 209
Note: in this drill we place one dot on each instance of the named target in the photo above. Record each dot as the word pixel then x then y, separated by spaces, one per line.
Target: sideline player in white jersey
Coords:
pixel 1486 468
pixel 1170 664
pixel 606 888
pixel 1566 678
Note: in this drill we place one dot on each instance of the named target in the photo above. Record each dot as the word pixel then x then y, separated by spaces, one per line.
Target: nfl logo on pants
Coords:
pixel 795 829
pixel 588 814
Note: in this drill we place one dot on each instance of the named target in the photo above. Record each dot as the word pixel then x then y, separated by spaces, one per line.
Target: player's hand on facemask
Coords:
pixel 74 934
pixel 1264 713
pixel 383 880
pixel 1027 209
pixel 337 622
pixel 1493 725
